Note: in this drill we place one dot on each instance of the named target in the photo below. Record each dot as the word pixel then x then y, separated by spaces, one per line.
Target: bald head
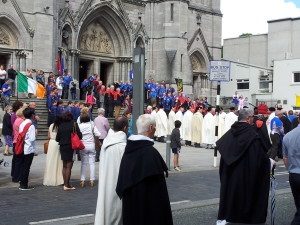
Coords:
pixel 120 124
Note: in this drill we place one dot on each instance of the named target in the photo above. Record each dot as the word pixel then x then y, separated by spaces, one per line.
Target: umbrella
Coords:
pixel 273 200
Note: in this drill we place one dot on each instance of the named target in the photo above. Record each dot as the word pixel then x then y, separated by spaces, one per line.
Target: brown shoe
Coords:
pixel 81 184
pixel 92 183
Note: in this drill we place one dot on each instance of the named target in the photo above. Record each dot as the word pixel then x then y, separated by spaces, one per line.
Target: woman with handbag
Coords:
pixel 89 134
pixel 63 137
pixel 54 165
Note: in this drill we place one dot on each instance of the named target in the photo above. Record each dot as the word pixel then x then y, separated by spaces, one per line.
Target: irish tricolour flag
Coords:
pixel 28 85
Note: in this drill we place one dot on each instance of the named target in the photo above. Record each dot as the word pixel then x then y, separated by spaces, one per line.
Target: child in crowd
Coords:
pixel 73 91
pixel 176 144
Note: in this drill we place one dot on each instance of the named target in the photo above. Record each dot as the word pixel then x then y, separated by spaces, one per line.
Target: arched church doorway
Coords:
pixel 105 45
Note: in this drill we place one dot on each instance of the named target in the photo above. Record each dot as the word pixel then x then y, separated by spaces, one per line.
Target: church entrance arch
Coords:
pixel 104 42
pixel 201 82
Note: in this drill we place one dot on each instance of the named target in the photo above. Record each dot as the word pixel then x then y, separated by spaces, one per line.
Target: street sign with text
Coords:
pixel 219 71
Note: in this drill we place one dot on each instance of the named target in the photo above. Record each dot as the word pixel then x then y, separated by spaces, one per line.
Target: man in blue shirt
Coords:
pixel 67 79
pixel 6 93
pixel 291 158
pixel 276 135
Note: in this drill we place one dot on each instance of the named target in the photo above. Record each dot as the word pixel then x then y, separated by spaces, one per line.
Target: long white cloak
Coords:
pixel 179 116
pixel 221 125
pixel 208 129
pixel 153 113
pixel 187 126
pixel 171 121
pixel 197 123
pixel 230 119
pixel 109 205
pixel 161 120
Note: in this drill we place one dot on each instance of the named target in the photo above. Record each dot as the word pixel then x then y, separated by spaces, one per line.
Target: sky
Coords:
pixel 251 16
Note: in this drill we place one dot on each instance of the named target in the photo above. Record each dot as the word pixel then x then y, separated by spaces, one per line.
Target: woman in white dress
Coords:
pixel 53 175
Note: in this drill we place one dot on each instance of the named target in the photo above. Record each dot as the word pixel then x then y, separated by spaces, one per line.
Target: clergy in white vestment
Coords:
pixel 221 123
pixel 197 122
pixel 161 120
pixel 179 116
pixel 109 205
pixel 171 120
pixel 230 119
pixel 187 127
pixel 208 128
pixel 153 113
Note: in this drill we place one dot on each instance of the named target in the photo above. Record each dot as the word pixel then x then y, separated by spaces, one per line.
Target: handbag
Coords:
pixel 96 139
pixel 46 145
pixel 75 140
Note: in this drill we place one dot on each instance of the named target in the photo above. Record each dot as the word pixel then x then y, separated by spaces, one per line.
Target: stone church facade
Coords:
pixel 98 36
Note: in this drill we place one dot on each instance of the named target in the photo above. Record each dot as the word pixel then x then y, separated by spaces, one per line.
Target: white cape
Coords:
pixel 171 121
pixel 161 120
pixel 187 126
pixel 221 125
pixel 109 205
pixel 179 116
pixel 230 119
pixel 208 129
pixel 197 123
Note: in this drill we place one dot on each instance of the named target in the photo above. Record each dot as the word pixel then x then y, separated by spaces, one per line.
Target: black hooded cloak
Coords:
pixel 244 176
pixel 142 186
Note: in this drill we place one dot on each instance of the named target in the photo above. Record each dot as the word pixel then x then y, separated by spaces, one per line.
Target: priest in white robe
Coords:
pixel 197 122
pixel 153 113
pixel 187 127
pixel 221 123
pixel 109 205
pixel 161 120
pixel 171 120
pixel 179 116
pixel 230 119
pixel 208 128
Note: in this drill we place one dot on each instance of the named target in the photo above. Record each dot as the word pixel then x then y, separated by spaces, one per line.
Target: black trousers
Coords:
pixel 98 150
pixel 16 166
pixel 294 179
pixel 65 92
pixel 26 169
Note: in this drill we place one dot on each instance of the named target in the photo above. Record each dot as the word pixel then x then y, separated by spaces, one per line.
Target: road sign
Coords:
pixel 219 71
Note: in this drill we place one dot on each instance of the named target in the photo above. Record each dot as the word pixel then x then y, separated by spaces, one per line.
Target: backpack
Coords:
pixel 19 146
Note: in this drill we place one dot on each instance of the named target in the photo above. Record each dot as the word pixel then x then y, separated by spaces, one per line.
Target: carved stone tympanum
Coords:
pixel 95 39
pixel 4 37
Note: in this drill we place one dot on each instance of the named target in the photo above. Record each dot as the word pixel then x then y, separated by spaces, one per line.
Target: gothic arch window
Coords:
pixel 139 42
pixel 66 37
pixel 199 68
pixel 7 37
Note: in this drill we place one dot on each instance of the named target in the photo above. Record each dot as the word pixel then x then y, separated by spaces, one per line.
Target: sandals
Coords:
pixel 69 188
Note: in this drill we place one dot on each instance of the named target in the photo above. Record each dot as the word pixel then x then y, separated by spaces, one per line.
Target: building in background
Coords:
pixel 276 56
pixel 98 36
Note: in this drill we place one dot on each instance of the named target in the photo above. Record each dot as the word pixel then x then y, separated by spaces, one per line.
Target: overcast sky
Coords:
pixel 251 16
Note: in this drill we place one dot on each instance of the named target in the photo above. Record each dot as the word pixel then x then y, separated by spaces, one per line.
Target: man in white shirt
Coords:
pixel 3 75
pixel 29 148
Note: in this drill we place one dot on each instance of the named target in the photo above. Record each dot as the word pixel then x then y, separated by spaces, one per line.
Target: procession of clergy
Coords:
pixel 197 128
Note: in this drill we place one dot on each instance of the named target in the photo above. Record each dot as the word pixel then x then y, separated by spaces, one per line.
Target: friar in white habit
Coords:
pixel 153 114
pixel 221 123
pixel 109 205
pixel 171 120
pixel 187 127
pixel 161 120
pixel 208 128
pixel 197 122
pixel 230 119
pixel 179 116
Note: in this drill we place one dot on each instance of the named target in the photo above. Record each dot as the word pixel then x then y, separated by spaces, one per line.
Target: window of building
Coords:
pixel 181 62
pixel 242 84
pixel 172 12
pixel 264 82
pixel 297 77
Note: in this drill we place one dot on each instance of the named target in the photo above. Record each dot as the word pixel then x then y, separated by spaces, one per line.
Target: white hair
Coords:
pixel 149 107
pixel 143 123
pixel 101 111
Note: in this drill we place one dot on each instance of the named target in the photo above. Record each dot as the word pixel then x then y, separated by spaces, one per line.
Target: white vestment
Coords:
pixel 171 121
pixel 268 122
pixel 208 129
pixel 161 120
pixel 179 116
pixel 187 126
pixel 109 205
pixel 197 122
pixel 153 113
pixel 221 125
pixel 230 119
